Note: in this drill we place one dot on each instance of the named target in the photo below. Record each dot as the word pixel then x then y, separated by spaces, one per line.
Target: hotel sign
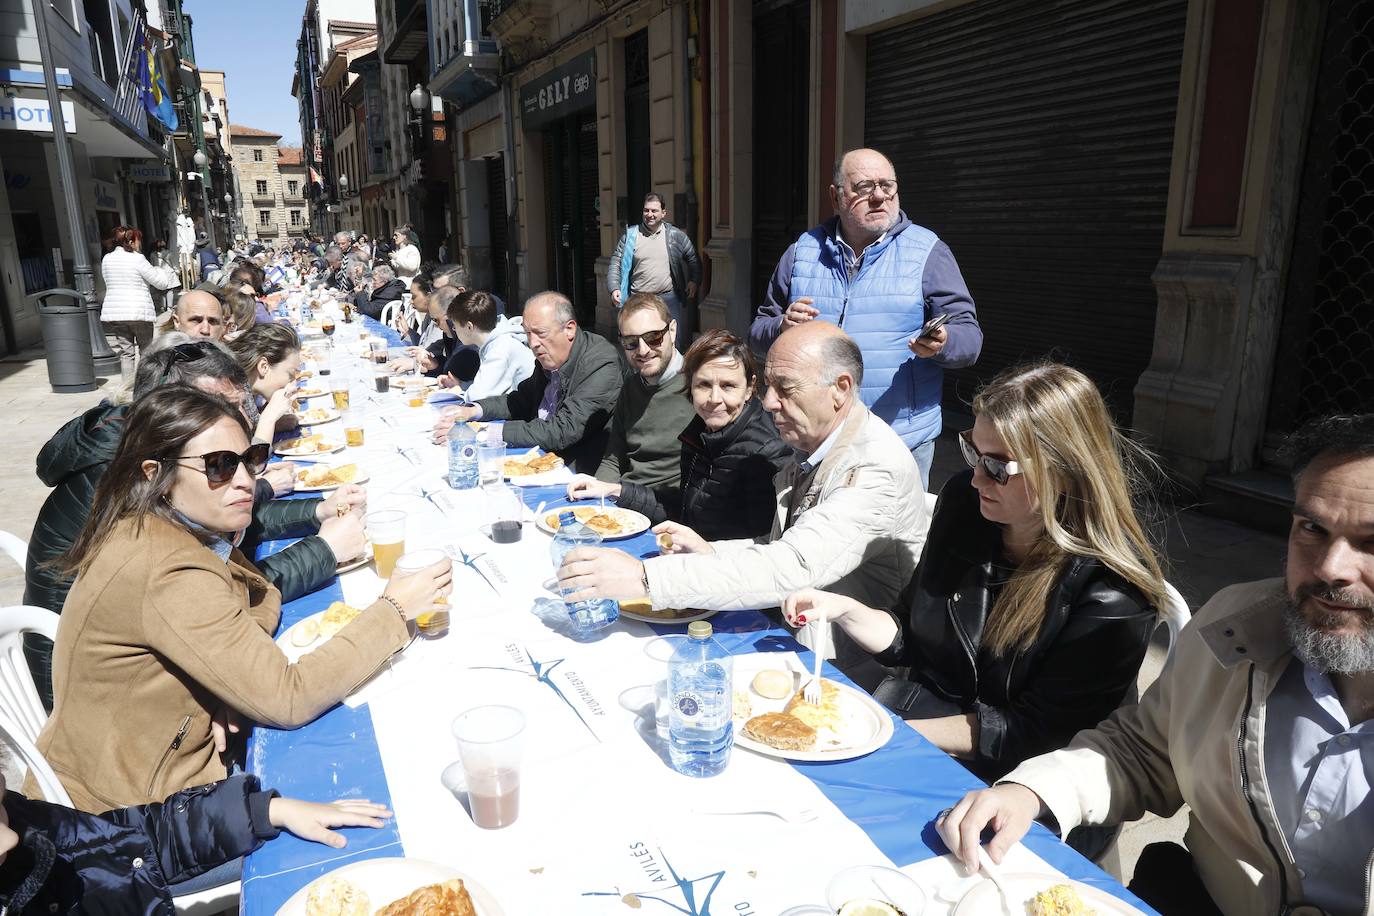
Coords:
pixel 560 92
pixel 34 115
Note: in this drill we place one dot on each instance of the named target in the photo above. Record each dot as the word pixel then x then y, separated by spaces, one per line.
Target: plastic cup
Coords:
pixel 505 512
pixel 490 744
pixel 491 461
pixel 431 622
pixel 386 529
pixel 376 350
pixel 353 419
pixel 338 387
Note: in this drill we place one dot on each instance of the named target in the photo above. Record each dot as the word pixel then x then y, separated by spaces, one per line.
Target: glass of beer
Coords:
pixel 338 387
pixel 386 529
pixel 490 745
pixel 431 621
pixel 353 419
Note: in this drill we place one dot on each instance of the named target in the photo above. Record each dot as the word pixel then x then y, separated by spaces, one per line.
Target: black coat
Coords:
pixel 1076 672
pixel 121 862
pixel 74 460
pixel 372 304
pixel 726 488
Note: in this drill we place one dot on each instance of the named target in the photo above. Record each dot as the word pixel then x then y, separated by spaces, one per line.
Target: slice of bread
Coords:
pixel 780 730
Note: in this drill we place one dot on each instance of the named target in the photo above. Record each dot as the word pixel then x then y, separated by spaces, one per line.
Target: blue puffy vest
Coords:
pixel 881 309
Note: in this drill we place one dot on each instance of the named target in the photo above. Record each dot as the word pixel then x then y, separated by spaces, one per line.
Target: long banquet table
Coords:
pixel 605 826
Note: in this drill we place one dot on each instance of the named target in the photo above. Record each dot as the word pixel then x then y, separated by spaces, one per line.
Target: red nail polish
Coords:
pixel 801 619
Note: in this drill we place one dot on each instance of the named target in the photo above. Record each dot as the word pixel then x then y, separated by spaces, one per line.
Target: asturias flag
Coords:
pixel 151 82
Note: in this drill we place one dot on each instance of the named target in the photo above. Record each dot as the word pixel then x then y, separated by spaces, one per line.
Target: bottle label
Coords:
pixel 704 709
pixel 468 453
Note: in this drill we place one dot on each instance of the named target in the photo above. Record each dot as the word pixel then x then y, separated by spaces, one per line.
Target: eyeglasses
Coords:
pixel 864 189
pixel 653 338
pixel 220 467
pixel 999 470
pixel 185 353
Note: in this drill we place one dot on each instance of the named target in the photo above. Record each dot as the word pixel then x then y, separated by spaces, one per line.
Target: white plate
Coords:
pixel 1022 886
pixel 412 381
pixel 632 522
pixel 355 563
pixel 301 488
pixel 309 393
pixel 868 726
pixel 390 879
pixel 330 415
pixel 647 618
pixel 298 453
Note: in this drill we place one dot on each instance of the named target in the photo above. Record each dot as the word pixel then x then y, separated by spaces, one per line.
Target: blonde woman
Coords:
pixel 1033 604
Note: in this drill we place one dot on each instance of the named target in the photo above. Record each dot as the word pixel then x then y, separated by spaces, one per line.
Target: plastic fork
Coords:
pixel 811 692
pixel 790 815
pixel 994 871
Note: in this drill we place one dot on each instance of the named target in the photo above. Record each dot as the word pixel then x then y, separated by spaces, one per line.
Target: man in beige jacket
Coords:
pixel 1262 723
pixel 851 513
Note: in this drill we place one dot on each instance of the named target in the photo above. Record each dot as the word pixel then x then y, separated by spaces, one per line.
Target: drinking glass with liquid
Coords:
pixel 431 622
pixel 353 419
pixel 386 529
pixel 490 745
pixel 506 513
pixel 338 388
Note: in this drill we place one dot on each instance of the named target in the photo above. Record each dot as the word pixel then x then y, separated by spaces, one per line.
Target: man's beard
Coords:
pixel 1320 649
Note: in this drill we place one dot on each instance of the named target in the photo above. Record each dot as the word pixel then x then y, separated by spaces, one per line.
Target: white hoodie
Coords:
pixel 506 361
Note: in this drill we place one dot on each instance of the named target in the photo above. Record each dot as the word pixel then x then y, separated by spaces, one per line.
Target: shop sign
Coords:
pixel 149 171
pixel 34 115
pixel 106 195
pixel 560 92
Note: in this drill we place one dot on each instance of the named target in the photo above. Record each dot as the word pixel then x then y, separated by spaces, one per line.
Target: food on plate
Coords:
pixel 337 897
pixel 315 442
pixel 826 715
pixel 315 415
pixel 337 616
pixel 742 708
pixel 532 464
pixel 1059 900
pixel 643 607
pixel 447 899
pixel 307 392
pixel 606 523
pixel 869 908
pixel 322 475
pixel 772 683
pixel 305 632
pixel 305 373
pixel 781 730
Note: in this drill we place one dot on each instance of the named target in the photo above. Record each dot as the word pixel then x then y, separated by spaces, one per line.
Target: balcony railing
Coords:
pixel 264 197
pixel 268 229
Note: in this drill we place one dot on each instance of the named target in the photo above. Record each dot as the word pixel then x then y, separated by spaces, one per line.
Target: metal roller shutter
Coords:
pixel 1036 140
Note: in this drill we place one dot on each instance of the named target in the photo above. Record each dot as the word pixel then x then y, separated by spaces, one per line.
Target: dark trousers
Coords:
pixel 1166 879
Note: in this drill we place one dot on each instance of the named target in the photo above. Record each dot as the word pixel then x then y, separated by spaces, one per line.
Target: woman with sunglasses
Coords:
pixel 270 356
pixel 168 624
pixel 1030 612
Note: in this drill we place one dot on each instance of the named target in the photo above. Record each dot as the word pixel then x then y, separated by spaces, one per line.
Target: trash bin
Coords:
pixel 67 340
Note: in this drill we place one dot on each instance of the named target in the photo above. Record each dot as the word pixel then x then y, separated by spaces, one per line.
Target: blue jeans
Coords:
pixel 924 455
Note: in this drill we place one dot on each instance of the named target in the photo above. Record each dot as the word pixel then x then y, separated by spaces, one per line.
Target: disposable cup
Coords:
pixel 490 745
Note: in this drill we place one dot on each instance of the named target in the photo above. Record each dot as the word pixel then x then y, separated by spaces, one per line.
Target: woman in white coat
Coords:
pixel 128 311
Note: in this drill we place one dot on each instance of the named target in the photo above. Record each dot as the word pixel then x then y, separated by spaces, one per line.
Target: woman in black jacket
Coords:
pixel 730 451
pixel 1030 612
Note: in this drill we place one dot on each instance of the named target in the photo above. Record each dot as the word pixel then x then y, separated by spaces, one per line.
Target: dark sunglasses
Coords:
pixel 185 353
pixel 999 470
pixel 220 467
pixel 653 338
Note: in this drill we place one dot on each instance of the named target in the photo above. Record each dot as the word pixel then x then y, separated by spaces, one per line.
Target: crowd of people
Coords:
pixel 1005 620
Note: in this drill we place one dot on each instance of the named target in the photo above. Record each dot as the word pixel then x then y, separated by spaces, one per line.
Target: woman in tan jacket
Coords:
pixel 168 625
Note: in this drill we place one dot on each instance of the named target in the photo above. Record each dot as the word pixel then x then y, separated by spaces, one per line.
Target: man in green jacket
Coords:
pixel 565 406
pixel 75 458
pixel 653 408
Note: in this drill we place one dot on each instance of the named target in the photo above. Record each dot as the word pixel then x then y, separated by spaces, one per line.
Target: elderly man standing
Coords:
pixel 654 257
pixel 850 510
pixel 1262 723
pixel 200 313
pixel 881 277
pixel 565 405
pixel 653 408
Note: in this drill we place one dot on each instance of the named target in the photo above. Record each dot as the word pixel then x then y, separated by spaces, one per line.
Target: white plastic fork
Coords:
pixel 994 872
pixel 811 692
pixel 790 815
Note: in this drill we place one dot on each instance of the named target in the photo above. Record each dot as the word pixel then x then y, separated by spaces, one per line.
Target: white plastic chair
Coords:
pixel 389 312
pixel 16 548
pixel 48 783
pixel 18 695
pixel 1175 614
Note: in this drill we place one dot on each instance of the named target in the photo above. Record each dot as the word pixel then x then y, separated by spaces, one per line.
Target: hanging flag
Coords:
pixel 161 107
pixel 316 177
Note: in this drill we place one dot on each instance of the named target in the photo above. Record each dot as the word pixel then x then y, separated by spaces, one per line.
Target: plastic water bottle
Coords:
pixel 462 457
pixel 700 704
pixel 591 614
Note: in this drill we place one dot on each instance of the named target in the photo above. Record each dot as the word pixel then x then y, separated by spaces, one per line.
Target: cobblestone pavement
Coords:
pixel 1204 553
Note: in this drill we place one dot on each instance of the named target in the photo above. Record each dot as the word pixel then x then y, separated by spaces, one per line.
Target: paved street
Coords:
pixel 1204 553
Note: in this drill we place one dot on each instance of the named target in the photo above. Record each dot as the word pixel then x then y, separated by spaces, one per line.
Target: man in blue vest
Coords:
pixel 881 277
pixel 655 257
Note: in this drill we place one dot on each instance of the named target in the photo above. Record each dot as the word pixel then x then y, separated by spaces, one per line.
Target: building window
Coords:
pixel 262 186
pixel 264 217
pixel 293 187
pixel 295 217
pixel 257 155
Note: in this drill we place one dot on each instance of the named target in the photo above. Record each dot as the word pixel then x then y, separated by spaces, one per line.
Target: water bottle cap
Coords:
pixel 699 629
pixel 566 518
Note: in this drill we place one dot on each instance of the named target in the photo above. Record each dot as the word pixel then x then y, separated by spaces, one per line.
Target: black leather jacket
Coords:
pixel 726 485
pixel 1078 669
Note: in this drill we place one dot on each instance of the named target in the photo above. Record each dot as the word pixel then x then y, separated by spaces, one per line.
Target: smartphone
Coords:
pixel 933 325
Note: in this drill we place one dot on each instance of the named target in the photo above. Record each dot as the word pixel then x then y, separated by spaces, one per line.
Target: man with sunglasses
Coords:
pixel 565 406
pixel 75 458
pixel 653 408
pixel 881 277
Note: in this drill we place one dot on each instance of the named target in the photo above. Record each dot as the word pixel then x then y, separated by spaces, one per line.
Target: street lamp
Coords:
pixel 343 185
pixel 419 98
pixel 201 160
